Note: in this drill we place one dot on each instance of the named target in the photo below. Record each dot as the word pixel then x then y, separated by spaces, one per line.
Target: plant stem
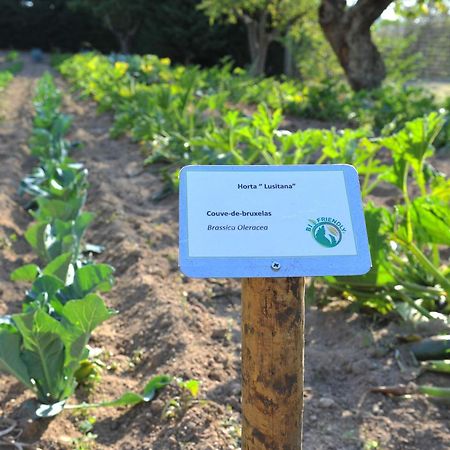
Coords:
pixel 427 265
pixel 434 391
pixel 414 305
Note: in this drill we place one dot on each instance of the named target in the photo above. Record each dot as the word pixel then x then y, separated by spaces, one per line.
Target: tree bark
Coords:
pixel 347 29
pixel 124 43
pixel 259 40
pixel 289 62
pixel 123 37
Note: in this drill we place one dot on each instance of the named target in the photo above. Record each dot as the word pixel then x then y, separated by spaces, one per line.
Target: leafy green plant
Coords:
pixel 149 392
pixel 50 240
pixel 43 352
pixel 407 273
pixel 45 346
pixel 13 68
pixel 179 404
pixel 5 78
pixel 53 180
pixel 61 281
pixel 183 115
pixel 12 56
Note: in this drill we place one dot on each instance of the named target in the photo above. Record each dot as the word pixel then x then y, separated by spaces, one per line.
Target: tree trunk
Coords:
pixel 259 40
pixel 348 32
pixel 289 62
pixel 124 43
pixel 123 37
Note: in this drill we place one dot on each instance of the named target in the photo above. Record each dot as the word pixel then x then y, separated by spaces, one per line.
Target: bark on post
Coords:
pixel 272 363
pixel 347 29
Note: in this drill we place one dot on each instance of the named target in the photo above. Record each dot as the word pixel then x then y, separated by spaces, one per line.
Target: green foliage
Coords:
pixel 57 58
pixel 282 13
pixel 12 56
pixel 13 67
pixel 43 353
pixel 64 181
pixel 50 125
pixel 183 115
pixel 50 240
pixel 131 398
pixel 59 267
pixel 179 404
pixel 175 90
pixel 47 341
pixel 407 272
pixel 401 64
pixel 45 346
pixel 5 78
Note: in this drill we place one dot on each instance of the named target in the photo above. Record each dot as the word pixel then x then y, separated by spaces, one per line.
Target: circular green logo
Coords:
pixel 327 234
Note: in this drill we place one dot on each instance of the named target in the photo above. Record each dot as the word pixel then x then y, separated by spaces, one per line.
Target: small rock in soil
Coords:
pixel 215 375
pixel 326 402
pixel 156 406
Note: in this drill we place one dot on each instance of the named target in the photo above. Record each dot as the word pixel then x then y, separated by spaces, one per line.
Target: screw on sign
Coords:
pixel 265 225
pixel 276 266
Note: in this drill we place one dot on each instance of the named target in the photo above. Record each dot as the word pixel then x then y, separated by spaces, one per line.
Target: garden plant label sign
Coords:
pixel 272 221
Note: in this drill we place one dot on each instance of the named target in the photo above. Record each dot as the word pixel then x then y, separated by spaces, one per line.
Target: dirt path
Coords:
pixel 168 323
pixel 15 126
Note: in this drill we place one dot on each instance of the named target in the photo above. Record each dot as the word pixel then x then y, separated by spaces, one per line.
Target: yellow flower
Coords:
pixel 121 68
pixel 147 67
pixel 165 61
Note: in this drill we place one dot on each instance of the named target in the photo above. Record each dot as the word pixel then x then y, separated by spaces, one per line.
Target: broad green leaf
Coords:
pixel 59 266
pixel 80 317
pixel 87 313
pixel 82 222
pixel 397 172
pixel 35 235
pixel 65 210
pixel 131 398
pixel 441 189
pixel 193 386
pixel 28 272
pixel 379 274
pixel 45 284
pixel 127 399
pixel 43 352
pixel 155 384
pixel 10 360
pixel 411 146
pixel 431 220
pixel 87 279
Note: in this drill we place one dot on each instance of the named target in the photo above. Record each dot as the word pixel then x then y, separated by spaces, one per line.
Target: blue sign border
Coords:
pixel 256 267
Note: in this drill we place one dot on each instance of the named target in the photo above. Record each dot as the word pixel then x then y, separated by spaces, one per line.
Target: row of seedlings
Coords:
pixel 44 345
pixel 12 67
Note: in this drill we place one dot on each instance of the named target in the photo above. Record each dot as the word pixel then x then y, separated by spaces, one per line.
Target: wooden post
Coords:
pixel 273 313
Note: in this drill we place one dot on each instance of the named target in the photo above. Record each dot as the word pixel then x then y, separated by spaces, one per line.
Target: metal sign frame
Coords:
pixel 277 266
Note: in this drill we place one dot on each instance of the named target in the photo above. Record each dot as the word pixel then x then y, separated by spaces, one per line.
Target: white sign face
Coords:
pixel 265 221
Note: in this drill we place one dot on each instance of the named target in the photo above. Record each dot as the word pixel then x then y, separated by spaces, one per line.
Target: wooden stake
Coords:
pixel 273 311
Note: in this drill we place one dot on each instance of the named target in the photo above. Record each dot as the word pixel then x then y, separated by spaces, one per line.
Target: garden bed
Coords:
pixel 170 324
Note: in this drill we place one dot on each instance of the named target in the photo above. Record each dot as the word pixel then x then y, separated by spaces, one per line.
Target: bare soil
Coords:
pixel 170 324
